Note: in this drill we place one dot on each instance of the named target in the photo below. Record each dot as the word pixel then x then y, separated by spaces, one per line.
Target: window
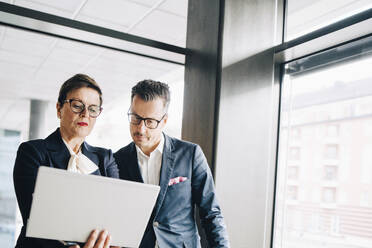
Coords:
pixel 294 153
pixel 9 141
pixel 295 133
pixel 34 65
pixel 292 193
pixel 335 151
pixel 331 152
pixel 329 195
pixel 306 16
pixel 293 172
pixel 332 130
pixel 330 173
pixel 364 199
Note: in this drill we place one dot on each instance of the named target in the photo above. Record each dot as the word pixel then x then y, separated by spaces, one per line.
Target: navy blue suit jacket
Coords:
pixel 50 152
pixel 172 222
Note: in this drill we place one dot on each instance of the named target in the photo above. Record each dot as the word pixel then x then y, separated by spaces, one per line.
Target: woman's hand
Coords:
pixel 97 240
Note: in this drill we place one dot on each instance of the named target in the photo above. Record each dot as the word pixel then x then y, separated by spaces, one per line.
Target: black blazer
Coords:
pixel 50 152
pixel 172 222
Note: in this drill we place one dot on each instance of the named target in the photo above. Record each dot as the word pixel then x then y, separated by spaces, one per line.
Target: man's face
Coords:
pixel 145 138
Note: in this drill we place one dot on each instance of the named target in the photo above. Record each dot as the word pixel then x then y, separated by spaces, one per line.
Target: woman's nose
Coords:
pixel 84 112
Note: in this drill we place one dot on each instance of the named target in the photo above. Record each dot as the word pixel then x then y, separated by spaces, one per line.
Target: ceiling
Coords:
pixel 33 65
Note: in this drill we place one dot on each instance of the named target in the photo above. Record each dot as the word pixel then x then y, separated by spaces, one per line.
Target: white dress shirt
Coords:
pixel 79 163
pixel 150 165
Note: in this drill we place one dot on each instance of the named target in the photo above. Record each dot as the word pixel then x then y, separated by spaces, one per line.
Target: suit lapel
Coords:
pixel 166 172
pixel 90 153
pixel 59 154
pixel 133 168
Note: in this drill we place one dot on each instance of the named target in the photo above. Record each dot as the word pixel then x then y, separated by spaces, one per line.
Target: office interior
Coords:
pixel 277 93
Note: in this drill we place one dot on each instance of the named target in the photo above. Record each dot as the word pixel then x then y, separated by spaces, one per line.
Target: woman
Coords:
pixel 79 104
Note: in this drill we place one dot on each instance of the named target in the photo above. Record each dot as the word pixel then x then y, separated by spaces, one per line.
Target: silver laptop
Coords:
pixel 68 206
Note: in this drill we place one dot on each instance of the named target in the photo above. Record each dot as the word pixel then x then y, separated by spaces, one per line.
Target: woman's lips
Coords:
pixel 82 124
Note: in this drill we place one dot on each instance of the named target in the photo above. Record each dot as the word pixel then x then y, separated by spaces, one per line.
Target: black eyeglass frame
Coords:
pixel 140 118
pixel 84 107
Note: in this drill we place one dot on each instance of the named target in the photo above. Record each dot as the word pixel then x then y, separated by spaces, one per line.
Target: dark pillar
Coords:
pixel 202 78
pixel 202 74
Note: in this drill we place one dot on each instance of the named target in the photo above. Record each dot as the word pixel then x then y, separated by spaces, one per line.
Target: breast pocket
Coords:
pixel 180 192
pixel 180 185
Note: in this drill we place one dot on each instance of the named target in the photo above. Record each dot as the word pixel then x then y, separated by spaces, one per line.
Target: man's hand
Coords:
pixel 97 240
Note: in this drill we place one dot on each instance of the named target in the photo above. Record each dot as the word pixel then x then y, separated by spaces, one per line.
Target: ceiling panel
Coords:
pixel 162 26
pixel 23 46
pixel 18 71
pixel 135 60
pixel 147 3
pixel 7 1
pixel 115 11
pixel 19 58
pixel 13 88
pixel 102 22
pixel 67 56
pixel 178 7
pixel 66 5
pixel 40 39
pixel 48 8
pixel 80 48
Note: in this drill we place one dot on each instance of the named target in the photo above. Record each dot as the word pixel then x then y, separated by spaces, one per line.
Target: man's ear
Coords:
pixel 165 119
pixel 58 107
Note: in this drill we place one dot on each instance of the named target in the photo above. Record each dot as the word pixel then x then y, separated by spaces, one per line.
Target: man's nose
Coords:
pixel 142 125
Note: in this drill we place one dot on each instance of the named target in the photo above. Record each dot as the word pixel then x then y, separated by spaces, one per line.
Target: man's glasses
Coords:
pixel 149 122
pixel 77 106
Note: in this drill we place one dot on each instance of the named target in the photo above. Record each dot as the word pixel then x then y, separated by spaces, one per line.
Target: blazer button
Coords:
pixel 156 224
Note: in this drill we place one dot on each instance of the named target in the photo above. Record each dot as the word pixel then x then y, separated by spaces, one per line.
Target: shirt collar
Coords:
pixel 159 148
pixel 69 148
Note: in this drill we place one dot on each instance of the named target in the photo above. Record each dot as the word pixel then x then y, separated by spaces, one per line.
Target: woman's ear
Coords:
pixel 58 107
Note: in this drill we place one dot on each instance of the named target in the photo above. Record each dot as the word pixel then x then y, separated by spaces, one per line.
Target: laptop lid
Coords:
pixel 68 206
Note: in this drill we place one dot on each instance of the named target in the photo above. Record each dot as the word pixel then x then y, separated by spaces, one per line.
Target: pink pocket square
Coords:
pixel 176 180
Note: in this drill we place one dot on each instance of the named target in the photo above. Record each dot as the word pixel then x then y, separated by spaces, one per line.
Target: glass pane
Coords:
pixel 324 186
pixel 34 66
pixel 163 21
pixel 305 16
pixel 9 141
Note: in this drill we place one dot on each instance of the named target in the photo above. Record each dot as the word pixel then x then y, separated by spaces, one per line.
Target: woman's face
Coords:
pixel 77 125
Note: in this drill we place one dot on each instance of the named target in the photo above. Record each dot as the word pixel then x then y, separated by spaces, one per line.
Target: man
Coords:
pixel 179 167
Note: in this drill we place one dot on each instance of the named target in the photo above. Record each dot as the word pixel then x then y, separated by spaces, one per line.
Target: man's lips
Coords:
pixel 82 124
pixel 139 136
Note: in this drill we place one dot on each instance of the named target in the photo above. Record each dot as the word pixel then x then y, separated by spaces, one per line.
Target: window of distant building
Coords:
pixel 295 133
pixel 329 195
pixel 367 127
pixel 333 130
pixel 335 224
pixel 364 199
pixel 294 153
pixel 293 172
pixel 292 193
pixel 331 151
pixel 330 172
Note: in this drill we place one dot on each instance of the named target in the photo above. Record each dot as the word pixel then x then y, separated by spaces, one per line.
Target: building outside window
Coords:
pixel 331 105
